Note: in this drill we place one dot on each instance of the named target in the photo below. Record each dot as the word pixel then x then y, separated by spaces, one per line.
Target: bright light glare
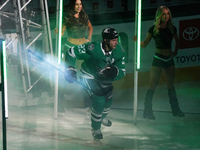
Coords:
pixel 60 29
pixel 5 79
pixel 139 32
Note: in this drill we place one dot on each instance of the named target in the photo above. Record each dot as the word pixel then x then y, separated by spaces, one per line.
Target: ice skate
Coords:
pixel 106 122
pixel 178 114
pixel 176 111
pixel 97 134
pixel 149 116
pixel 88 112
pixel 148 112
pixel 61 112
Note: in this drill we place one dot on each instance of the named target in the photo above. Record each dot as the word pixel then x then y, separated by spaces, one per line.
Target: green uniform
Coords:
pixel 95 60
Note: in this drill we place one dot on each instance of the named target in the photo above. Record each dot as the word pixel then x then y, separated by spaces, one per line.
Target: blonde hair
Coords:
pixel 158 18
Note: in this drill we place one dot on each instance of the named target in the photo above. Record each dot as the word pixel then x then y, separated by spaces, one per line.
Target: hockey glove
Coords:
pixel 70 74
pixel 109 72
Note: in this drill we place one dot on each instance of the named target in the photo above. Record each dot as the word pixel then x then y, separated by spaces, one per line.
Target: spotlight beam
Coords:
pixel 98 94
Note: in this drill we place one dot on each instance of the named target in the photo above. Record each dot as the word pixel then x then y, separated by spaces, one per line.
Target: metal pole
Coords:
pixel 50 39
pixel 137 56
pixel 25 4
pixel 58 41
pixel 20 47
pixel 27 38
pixel 11 42
pixel 34 40
pixel 4 4
pixel 23 41
pixel 135 71
pixel 48 26
pixel 57 24
pixel 44 24
pixel 56 96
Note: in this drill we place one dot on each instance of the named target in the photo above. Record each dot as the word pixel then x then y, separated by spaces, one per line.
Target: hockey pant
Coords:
pixel 100 104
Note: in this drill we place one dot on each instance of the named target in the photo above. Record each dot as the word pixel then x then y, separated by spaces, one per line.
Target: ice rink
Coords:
pixel 31 124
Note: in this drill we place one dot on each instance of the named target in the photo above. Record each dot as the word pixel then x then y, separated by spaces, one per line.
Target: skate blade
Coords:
pixel 178 118
pixel 94 141
pixel 61 114
pixel 97 141
pixel 149 120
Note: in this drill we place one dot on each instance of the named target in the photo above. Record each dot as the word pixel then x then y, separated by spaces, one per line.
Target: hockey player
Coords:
pixel 104 62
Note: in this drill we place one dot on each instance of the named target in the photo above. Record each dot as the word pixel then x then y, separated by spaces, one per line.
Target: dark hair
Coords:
pixel 70 12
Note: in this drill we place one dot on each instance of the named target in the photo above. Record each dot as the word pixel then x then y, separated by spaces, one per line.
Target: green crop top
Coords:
pixel 75 29
pixel 163 39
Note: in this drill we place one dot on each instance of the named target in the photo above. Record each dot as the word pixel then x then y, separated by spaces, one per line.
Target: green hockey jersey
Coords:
pixel 96 59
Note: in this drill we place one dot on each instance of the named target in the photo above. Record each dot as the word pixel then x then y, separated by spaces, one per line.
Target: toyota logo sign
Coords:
pixel 190 33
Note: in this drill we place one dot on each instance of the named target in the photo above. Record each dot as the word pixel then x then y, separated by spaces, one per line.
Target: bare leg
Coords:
pixel 154 78
pixel 170 74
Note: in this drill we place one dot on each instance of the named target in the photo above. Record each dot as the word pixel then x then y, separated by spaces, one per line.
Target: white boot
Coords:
pixel 97 134
pixel 106 122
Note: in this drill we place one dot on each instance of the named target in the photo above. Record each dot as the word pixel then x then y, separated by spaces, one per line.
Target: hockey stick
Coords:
pixel 62 72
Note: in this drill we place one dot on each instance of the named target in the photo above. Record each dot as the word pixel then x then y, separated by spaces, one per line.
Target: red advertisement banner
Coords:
pixel 189 33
